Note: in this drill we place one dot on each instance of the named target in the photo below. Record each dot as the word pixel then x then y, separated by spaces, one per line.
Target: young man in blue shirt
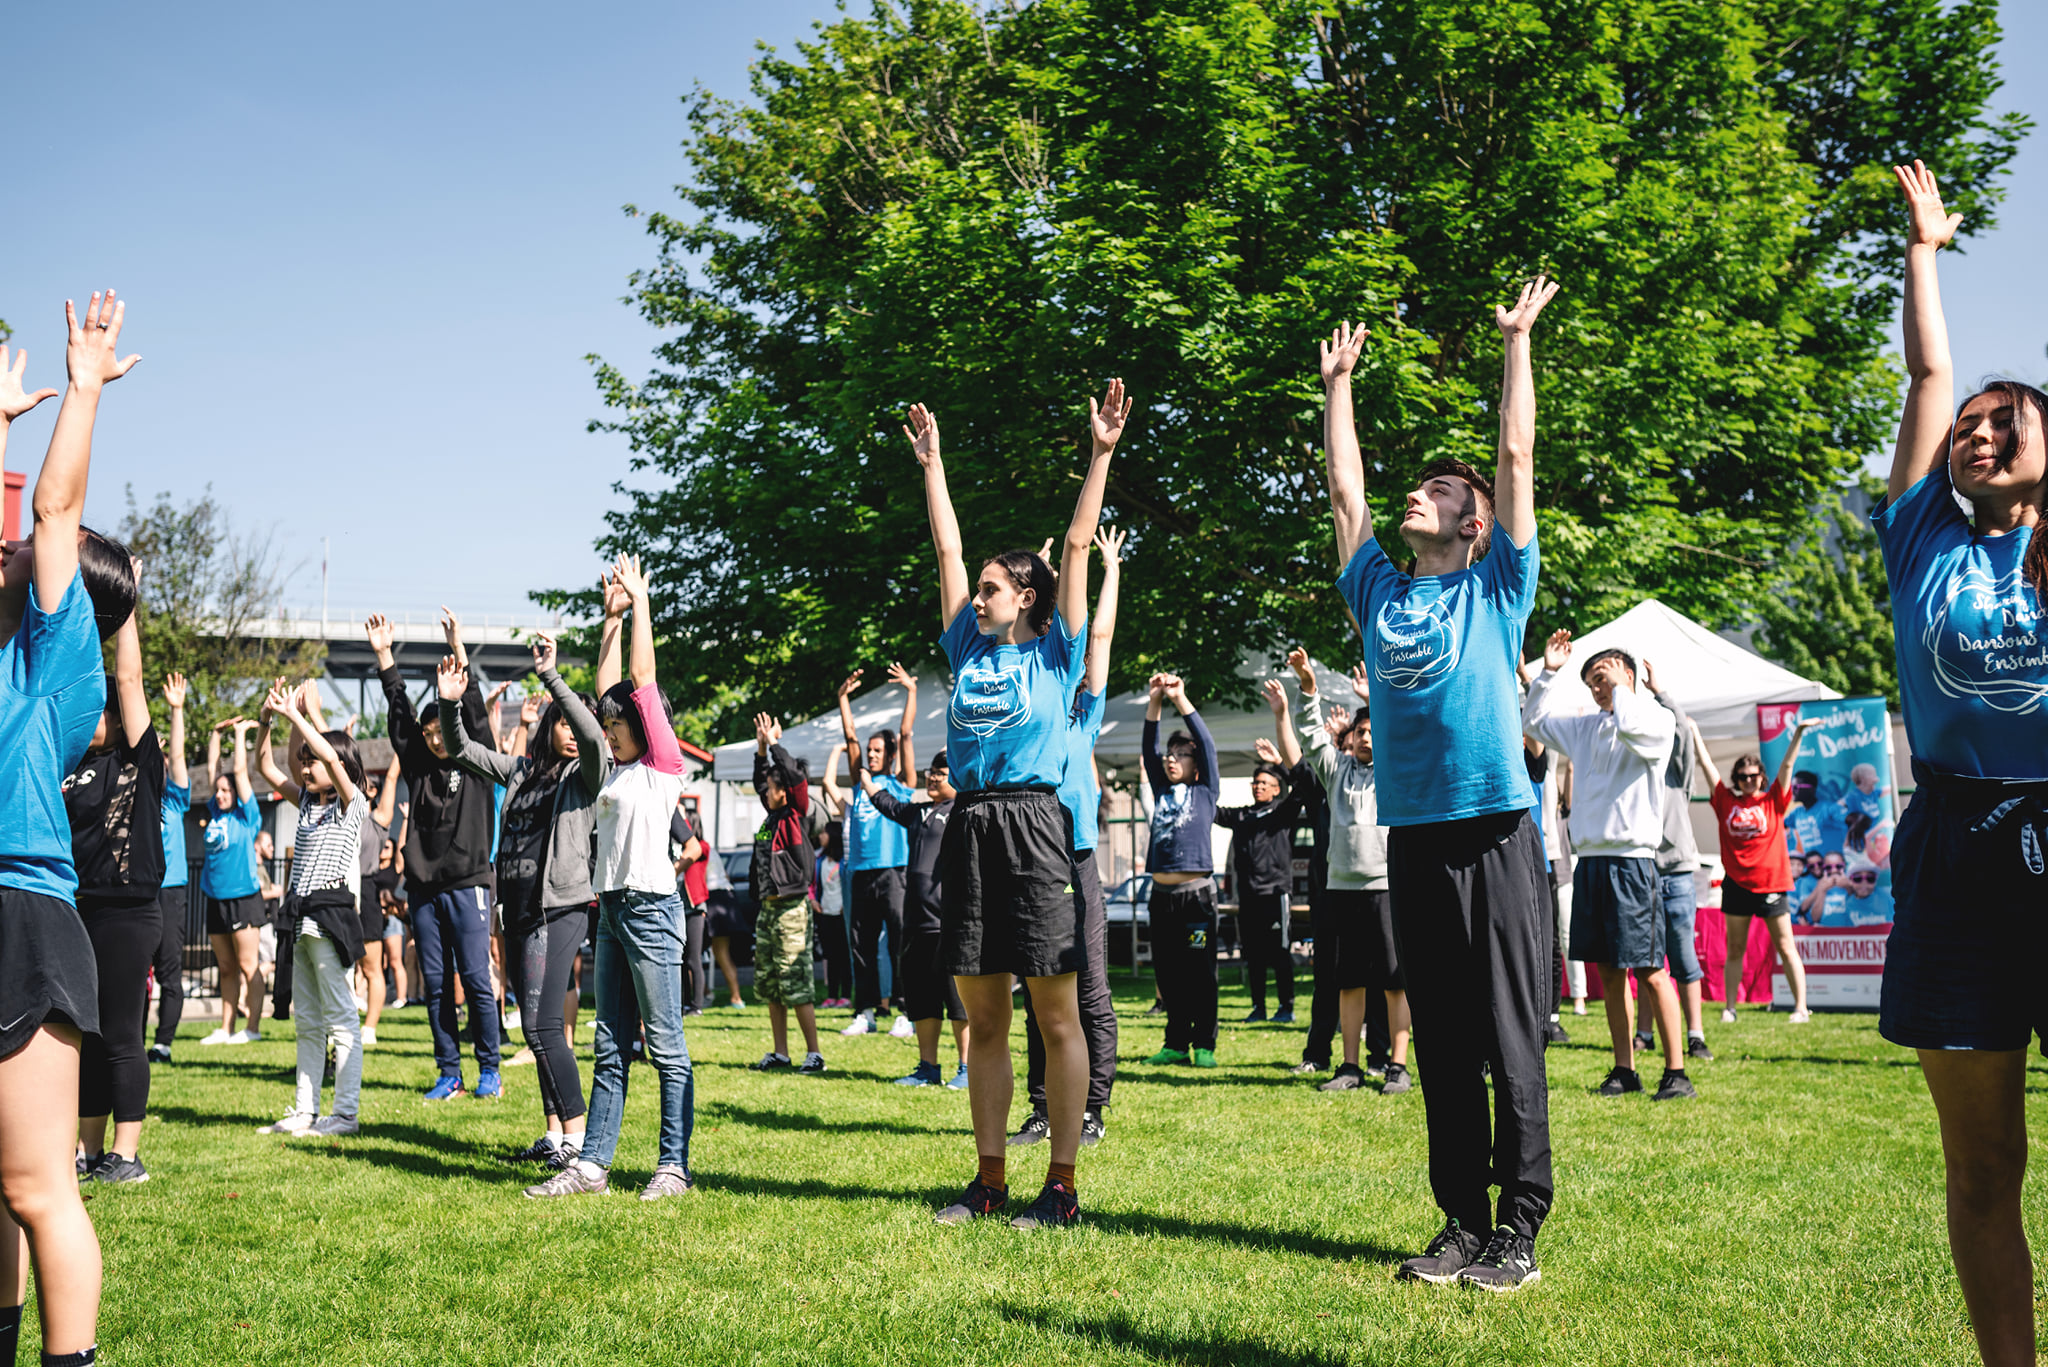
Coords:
pixel 1465 861
pixel 877 853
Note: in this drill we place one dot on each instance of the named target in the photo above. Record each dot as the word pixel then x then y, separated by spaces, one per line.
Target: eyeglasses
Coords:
pixel 1863 878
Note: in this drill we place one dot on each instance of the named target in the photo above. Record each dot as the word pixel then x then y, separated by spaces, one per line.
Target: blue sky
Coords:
pixel 368 248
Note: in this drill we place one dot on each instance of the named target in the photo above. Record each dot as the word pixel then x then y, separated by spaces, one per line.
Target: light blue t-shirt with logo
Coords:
pixel 1006 723
pixel 53 688
pixel 1441 652
pixel 177 801
pixel 1078 793
pixel 229 869
pixel 1819 829
pixel 873 841
pixel 1973 667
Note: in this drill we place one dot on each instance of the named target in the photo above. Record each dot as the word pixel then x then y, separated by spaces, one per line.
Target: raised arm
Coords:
pixel 1345 463
pixel 1930 391
pixel 387 797
pixel 213 753
pixel 90 358
pixel 1102 626
pixel 1539 720
pixel 451 680
pixel 847 734
pixel 616 601
pixel 315 740
pixel 281 783
pixel 1784 783
pixel 906 742
pixel 1514 482
pixel 1205 744
pixel 835 796
pixel 128 685
pixel 1148 742
pixel 174 762
pixel 1105 424
pixel 15 400
pixel 1320 752
pixel 243 726
pixel 1708 770
pixel 593 752
pixel 923 431
pixel 451 631
pixel 640 664
pixel 1644 727
pixel 400 722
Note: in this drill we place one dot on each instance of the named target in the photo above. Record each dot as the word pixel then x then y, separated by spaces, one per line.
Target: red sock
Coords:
pixel 991 1174
pixel 1062 1172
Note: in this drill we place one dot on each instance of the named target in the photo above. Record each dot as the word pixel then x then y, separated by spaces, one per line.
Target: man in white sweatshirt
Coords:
pixel 1618 756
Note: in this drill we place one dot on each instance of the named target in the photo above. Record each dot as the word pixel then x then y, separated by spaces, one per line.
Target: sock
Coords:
pixel 84 1359
pixel 1695 1034
pixel 1061 1172
pixel 10 1332
pixel 551 1139
pixel 588 1168
pixel 991 1174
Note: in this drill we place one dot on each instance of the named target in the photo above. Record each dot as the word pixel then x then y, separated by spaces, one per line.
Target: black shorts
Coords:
pixel 1006 903
pixel 1617 916
pixel 1352 916
pixel 226 915
pixel 372 918
pixel 722 914
pixel 1739 901
pixel 927 990
pixel 1970 928
pixel 48 973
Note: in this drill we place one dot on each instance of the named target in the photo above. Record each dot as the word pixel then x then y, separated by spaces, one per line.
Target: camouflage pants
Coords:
pixel 783 975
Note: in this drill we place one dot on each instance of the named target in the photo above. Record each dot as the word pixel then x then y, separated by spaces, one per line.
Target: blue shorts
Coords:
pixel 1680 900
pixel 1615 912
pixel 1970 893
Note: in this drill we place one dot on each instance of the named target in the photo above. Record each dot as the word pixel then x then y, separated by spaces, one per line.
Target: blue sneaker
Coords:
pixel 489 1086
pixel 958 1081
pixel 449 1085
pixel 924 1075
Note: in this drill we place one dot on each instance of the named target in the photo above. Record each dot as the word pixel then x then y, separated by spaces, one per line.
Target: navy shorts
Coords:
pixel 1617 916
pixel 1970 888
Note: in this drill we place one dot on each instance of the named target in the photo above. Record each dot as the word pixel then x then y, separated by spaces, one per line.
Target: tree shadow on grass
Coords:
pixel 1816 1058
pixel 1120 1332
pixel 437 1161
pixel 727 1113
pixel 1180 1075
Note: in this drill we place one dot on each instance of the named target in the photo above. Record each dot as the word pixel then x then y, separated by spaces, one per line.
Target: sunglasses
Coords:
pixel 1863 878
pixel 1747 774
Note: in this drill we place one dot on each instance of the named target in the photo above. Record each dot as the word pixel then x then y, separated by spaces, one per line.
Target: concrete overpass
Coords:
pixel 498 644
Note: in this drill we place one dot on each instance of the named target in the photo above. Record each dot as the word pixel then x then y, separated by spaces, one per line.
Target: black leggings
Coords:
pixel 547 954
pixel 169 968
pixel 113 1072
pixel 1261 922
pixel 696 982
pixel 838 952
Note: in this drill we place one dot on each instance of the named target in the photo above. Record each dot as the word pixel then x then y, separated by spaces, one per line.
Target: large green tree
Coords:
pixel 992 212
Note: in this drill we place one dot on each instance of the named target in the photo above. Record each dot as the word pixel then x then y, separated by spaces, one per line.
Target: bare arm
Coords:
pixel 1102 626
pixel 266 763
pixel 314 739
pixel 616 602
pixel 174 763
pixel 1784 783
pixel 1930 393
pixel 847 734
pixel 1283 725
pixel 213 755
pixel 59 499
pixel 128 685
pixel 1345 463
pixel 451 631
pixel 641 663
pixel 906 741
pixel 1105 424
pixel 1514 482
pixel 243 792
pixel 835 796
pixel 387 799
pixel 15 400
pixel 923 431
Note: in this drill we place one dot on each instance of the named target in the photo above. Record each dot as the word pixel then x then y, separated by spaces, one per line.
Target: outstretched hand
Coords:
pixel 899 675
pixel 631 577
pixel 529 710
pixel 766 728
pixel 1276 696
pixel 849 683
pixel 451 627
pixel 450 679
pixel 1557 651
pixel 1361 683
pixel 90 349
pixel 174 691
pixel 923 431
pixel 1265 750
pixel 1155 687
pixel 1110 542
pixel 14 400
pixel 1106 420
pixel 1649 675
pixel 1340 354
pixel 280 701
pixel 380 631
pixel 616 599
pixel 1522 317
pixel 1336 721
pixel 543 652
pixel 1932 225
pixel 1304 672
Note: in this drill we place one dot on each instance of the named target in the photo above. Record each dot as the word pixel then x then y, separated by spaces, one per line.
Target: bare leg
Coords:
pixel 1399 1024
pixel 778 1028
pixel 251 977
pixel 927 1040
pixel 1620 1029
pixel 807 1021
pixel 1738 953
pixel 991 1081
pixel 1662 997
pixel 721 954
pixel 373 969
pixel 394 954
pixel 1351 1021
pixel 230 965
pixel 960 1038
pixel 1788 957
pixel 1694 1022
pixel 1980 1096
pixel 1057 1002
pixel 45 1221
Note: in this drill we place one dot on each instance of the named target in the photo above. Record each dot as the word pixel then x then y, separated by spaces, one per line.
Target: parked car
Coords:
pixel 1126 905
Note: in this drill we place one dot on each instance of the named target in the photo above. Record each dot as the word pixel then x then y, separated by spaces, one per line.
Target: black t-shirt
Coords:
pixel 115 801
pixel 386 880
pixel 926 823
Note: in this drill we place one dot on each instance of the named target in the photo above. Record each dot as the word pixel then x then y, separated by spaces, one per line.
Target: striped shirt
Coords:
pixel 328 847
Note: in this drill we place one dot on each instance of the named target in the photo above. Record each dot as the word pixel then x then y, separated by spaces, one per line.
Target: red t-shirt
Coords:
pixel 1753 854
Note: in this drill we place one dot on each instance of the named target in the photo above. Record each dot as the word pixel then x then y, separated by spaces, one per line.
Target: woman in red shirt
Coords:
pixel 1756 871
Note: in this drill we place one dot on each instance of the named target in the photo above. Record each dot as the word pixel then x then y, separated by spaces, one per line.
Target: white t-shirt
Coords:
pixel 634 809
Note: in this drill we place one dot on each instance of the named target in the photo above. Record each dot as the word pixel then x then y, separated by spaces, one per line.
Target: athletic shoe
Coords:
pixel 902 1029
pixel 489 1086
pixel 1696 1047
pixel 450 1085
pixel 1507 1264
pixel 1284 1016
pixel 218 1037
pixel 958 1082
pixel 1553 1033
pixel 1645 1041
pixel 331 1126
pixel 525 1059
pixel 734 1006
pixel 1377 1071
pixel 1305 1068
pixel 539 1151
pixel 1676 1086
pixel 812 1065
pixel 667 1181
pixel 369 1036
pixel 1448 1254
pixel 1093 1131
pixel 770 1063
pixel 688 1011
pixel 113 1169
pixel 1158 1008
pixel 1727 1015
pixel 1257 1017
pixel 245 1037
pixel 976 1200
pixel 564 1155
pixel 1055 1208
pixel 1165 1056
pixel 159 1053
pixel 511 1019
pixel 863 1024
pixel 293 1122
pixel 1620 1082
pixel 1349 1078
pixel 1035 1129
pixel 1799 1017
pixel 82 1166
pixel 1398 1080
pixel 574 1180
pixel 1203 1058
pixel 923 1075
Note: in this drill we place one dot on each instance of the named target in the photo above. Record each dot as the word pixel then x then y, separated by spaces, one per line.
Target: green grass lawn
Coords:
pixel 1792 1214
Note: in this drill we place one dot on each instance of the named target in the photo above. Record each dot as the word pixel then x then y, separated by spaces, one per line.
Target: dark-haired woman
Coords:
pixel 1014 640
pixel 1968 865
pixel 640 932
pixel 549 816
pixel 1757 870
pixel 321 907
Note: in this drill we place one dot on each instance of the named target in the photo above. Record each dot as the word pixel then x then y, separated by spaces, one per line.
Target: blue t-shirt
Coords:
pixel 177 801
pixel 1078 793
pixel 1006 723
pixel 1819 829
pixel 230 837
pixel 1870 805
pixel 1441 652
pixel 1973 668
pixel 873 841
pixel 53 688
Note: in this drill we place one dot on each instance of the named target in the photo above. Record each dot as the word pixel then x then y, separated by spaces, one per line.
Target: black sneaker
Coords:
pixel 1055 1208
pixel 159 1053
pixel 1696 1047
pixel 114 1169
pixel 1257 1017
pixel 1349 1078
pixel 1304 1068
pixel 1376 1069
pixel 1620 1082
pixel 812 1065
pixel 539 1151
pixel 1284 1016
pixel 1553 1033
pixel 1397 1081
pixel 1092 1128
pixel 770 1063
pixel 1158 1008
pixel 1035 1130
pixel 562 1156
pixel 83 1164
pixel 1645 1041
pixel 1676 1086
pixel 1508 1263
pixel 976 1200
pixel 1448 1254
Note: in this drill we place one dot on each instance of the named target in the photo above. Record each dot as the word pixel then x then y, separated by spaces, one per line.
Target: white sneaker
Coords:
pixel 512 1019
pixel 369 1035
pixel 294 1122
pixel 330 1125
pixel 1727 1015
pixel 362 1006
pixel 219 1037
pixel 863 1024
pixel 245 1037
pixel 1799 1017
pixel 902 1029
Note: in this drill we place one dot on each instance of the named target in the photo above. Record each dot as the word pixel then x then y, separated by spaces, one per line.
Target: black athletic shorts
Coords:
pixel 1970 931
pixel 1006 901
pixel 722 914
pixel 225 916
pixel 1617 916
pixel 371 917
pixel 48 973
pixel 927 990
pixel 1737 901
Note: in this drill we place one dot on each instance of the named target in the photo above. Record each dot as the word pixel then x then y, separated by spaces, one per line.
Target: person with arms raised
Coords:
pixel 1757 868
pixel 927 991
pixel 786 924
pixel 168 963
pixel 1464 860
pixel 877 852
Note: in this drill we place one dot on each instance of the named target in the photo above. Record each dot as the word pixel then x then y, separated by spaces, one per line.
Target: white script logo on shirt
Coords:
pixel 1985 641
pixel 990 699
pixel 1416 643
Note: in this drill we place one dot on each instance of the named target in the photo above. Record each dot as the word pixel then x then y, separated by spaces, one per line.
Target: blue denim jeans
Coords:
pixel 640 982
pixel 458 923
pixel 1675 891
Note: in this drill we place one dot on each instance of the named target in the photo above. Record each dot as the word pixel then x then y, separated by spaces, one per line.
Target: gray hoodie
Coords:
pixel 1358 843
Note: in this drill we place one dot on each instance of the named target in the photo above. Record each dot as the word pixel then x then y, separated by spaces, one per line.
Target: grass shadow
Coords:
pixel 1120 1332
pixel 725 1112
pixel 1180 1075
pixel 429 1158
